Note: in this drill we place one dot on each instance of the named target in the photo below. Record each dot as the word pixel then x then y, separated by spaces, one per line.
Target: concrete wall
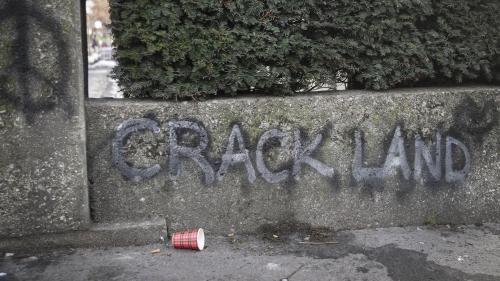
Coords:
pixel 349 160
pixel 43 180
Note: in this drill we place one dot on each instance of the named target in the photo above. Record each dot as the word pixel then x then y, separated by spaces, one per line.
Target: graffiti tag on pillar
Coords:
pixel 22 82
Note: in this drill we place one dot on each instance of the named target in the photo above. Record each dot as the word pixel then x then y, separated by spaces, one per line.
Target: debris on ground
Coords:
pixel 286 231
pixel 293 273
pixel 318 243
pixel 29 259
pixel 155 251
pixel 8 255
pixel 189 239
pixel 272 266
pixel 232 234
pixel 320 234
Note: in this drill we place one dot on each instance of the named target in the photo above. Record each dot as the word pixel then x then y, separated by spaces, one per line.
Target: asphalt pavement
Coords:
pixel 441 253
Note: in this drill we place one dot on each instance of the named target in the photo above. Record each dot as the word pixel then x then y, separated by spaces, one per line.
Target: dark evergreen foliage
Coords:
pixel 177 49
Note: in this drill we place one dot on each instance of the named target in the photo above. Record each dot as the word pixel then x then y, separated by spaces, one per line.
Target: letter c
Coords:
pixel 124 131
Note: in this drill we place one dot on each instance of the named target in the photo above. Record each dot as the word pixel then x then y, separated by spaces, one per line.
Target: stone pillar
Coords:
pixel 43 176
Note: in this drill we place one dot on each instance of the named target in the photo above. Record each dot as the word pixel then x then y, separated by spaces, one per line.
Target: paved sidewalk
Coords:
pixel 101 85
pixel 407 254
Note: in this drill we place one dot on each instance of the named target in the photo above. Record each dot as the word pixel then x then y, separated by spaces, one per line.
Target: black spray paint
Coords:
pixel 302 155
pixel 123 133
pixel 428 162
pixel 423 154
pixel 269 176
pixel 194 153
pixel 452 175
pixel 26 14
pixel 396 160
pixel 231 158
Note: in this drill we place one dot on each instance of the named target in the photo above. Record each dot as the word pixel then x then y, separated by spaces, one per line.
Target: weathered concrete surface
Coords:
pixel 399 254
pixel 97 235
pixel 466 120
pixel 43 180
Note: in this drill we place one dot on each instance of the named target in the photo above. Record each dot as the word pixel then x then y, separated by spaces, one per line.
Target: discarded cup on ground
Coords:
pixel 191 239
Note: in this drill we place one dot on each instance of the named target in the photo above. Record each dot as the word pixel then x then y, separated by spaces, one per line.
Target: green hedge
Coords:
pixel 177 49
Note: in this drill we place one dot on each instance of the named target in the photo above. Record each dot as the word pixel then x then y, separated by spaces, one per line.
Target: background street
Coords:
pixel 101 85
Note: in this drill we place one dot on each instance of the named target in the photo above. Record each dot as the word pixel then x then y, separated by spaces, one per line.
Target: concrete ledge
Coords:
pixel 99 235
pixel 341 160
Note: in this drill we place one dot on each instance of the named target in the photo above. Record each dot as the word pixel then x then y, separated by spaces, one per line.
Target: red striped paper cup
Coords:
pixel 191 239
